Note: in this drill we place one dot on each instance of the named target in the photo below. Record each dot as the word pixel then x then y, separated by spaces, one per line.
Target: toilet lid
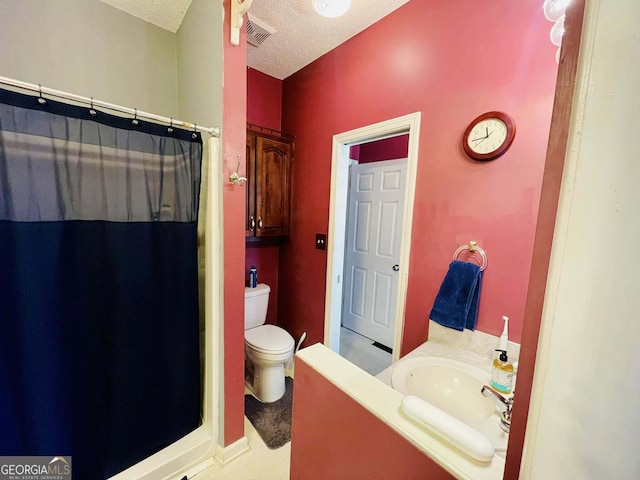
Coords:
pixel 269 339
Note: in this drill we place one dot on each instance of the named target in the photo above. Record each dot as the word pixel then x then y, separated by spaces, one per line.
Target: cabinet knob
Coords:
pixel 253 222
pixel 259 223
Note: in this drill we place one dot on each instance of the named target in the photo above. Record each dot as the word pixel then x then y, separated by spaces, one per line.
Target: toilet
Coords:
pixel 266 347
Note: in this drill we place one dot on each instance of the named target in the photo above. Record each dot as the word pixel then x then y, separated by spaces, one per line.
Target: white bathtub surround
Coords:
pixel 475 349
pixel 458 433
pixel 385 403
pixel 453 393
pixel 473 341
pixel 437 349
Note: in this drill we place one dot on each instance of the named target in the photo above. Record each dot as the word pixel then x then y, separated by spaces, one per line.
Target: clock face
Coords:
pixel 487 136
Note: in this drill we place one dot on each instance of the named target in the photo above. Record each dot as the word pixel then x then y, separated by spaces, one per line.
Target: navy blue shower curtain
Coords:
pixel 99 327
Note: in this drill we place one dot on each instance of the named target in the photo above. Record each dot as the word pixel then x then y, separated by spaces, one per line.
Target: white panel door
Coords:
pixel 372 254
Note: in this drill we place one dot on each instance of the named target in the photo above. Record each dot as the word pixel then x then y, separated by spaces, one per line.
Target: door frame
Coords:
pixel 338 218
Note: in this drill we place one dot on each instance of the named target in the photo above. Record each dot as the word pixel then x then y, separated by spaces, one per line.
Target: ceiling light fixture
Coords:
pixel 331 8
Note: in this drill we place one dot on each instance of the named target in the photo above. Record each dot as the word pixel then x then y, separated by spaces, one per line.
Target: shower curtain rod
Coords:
pixel 214 131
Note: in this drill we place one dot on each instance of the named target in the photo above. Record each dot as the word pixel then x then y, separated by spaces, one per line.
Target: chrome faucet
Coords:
pixel 505 420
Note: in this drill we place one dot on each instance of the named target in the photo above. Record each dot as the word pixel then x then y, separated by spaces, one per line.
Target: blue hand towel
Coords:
pixel 456 305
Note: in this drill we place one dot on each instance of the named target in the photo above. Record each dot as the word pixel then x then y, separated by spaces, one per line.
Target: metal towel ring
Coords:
pixel 472 247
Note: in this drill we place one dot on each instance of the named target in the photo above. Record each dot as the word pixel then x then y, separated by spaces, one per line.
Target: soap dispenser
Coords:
pixel 502 372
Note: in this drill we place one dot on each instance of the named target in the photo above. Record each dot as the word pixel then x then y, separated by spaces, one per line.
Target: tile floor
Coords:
pixel 259 463
pixel 360 351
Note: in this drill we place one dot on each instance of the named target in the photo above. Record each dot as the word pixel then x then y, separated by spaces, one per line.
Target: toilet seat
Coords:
pixel 269 339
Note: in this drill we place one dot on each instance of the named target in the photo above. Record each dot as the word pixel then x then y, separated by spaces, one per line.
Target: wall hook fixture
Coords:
pixel 235 177
pixel 238 9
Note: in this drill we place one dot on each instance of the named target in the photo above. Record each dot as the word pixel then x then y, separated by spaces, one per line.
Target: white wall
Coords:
pixel 89 48
pixel 200 67
pixel 585 415
pixel 199 50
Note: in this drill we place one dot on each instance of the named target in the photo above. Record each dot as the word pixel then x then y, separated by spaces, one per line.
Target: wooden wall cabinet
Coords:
pixel 269 162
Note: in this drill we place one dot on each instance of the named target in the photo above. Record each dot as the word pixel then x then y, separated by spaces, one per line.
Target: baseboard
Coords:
pixel 229 453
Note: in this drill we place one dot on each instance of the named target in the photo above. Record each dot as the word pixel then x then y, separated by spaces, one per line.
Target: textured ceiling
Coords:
pixel 301 34
pixel 167 14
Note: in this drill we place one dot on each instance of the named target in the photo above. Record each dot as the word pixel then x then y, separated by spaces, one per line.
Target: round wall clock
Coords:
pixel 489 136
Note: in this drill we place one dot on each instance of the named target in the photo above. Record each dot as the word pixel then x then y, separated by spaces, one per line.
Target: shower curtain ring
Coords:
pixel 135 118
pixel 41 100
pixel 170 129
pixel 194 135
pixel 92 112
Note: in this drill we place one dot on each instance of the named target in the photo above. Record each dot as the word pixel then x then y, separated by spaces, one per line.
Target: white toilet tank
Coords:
pixel 256 301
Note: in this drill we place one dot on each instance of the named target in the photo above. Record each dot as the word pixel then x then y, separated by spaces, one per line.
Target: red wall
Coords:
pixel 233 144
pixel 346 441
pixel 266 261
pixel 451 61
pixel 264 99
pixel 387 149
pixel 264 108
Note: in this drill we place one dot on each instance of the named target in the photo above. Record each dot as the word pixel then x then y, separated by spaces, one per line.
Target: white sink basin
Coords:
pixel 453 387
pixel 449 385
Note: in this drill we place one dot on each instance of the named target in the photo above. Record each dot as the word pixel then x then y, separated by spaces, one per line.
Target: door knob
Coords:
pixel 396 267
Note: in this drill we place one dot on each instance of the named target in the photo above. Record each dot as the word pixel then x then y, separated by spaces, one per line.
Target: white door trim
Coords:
pixel 338 215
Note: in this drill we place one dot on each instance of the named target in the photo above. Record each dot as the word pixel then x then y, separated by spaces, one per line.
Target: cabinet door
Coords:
pixel 250 209
pixel 273 186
